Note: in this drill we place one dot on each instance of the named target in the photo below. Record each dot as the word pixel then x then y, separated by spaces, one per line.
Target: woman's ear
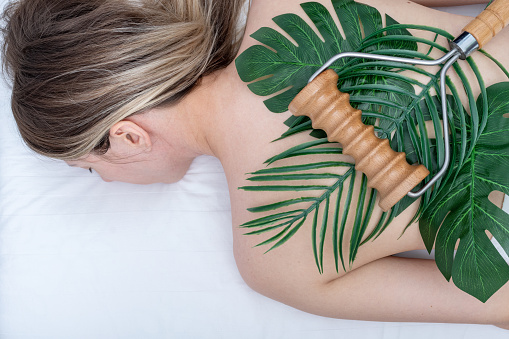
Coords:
pixel 128 138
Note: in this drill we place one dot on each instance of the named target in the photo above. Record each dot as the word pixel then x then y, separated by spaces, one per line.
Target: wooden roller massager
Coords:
pixel 330 110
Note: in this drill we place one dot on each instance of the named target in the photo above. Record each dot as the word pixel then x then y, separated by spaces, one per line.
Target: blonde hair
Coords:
pixel 79 66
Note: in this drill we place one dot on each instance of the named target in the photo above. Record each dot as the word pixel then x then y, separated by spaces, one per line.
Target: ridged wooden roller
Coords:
pixel 330 110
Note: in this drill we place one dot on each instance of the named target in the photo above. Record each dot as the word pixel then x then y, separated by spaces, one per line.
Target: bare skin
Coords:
pixel 221 117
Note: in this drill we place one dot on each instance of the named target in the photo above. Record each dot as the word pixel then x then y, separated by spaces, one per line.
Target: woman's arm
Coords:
pixel 392 289
pixel 444 3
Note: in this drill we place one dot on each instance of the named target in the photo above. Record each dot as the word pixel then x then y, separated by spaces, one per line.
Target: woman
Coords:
pixel 117 89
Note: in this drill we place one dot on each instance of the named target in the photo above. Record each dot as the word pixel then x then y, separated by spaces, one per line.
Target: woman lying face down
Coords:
pixel 135 90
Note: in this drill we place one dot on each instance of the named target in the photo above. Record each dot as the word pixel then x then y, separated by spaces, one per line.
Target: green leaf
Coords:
pixel 463 211
pixel 304 176
pixel 286 65
pixel 302 167
pixel 271 219
pixel 281 204
pixel 282 188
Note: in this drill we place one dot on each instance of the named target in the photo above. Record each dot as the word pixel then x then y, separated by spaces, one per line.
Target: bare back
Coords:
pixel 247 130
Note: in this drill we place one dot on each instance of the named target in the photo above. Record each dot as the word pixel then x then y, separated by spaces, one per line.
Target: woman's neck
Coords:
pixel 192 124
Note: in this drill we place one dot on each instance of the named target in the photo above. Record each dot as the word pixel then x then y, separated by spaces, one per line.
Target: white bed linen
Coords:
pixel 81 258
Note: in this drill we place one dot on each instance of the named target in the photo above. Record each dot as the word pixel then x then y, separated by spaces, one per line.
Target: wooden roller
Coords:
pixel 330 110
pixel 491 21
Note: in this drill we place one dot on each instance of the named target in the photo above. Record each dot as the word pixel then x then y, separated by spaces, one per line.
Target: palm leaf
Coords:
pixel 384 91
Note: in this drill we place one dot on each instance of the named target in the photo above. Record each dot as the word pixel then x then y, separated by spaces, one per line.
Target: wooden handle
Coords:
pixel 491 21
pixel 329 109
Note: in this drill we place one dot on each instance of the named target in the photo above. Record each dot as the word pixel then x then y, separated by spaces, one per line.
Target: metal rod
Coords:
pixel 381 57
pixel 447 154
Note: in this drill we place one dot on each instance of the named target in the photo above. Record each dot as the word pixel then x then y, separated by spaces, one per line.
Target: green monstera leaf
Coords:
pixel 463 211
pixel 292 65
pixel 385 92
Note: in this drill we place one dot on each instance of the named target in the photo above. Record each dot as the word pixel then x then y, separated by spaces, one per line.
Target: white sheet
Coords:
pixel 80 258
